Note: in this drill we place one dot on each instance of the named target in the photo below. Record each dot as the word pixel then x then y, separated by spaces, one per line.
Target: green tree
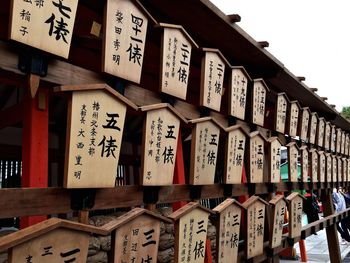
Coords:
pixel 346 112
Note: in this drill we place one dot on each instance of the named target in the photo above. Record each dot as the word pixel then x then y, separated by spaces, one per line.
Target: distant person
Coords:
pixel 343 225
pixel 311 208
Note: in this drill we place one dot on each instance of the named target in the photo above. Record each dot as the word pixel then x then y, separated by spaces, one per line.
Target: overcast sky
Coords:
pixel 310 37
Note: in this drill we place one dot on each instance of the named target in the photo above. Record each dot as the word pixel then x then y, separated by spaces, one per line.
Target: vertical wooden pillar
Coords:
pixel 332 234
pixel 35 146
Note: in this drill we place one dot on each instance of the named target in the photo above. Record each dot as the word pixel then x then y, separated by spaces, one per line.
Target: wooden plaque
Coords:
pixel 327 136
pixel 304 162
pixel 293 118
pixel 304 123
pixel 175 61
pixel 338 140
pixel 204 150
pixel 333 138
pixel 334 169
pixel 137 240
pixel 321 167
pixel 314 165
pixel 348 170
pixel 320 132
pixel 161 130
pixel 212 80
pixel 256 158
pixel 295 214
pixel 340 170
pixel 238 92
pixel 328 167
pixel 293 154
pixel 45 25
pixel 124 39
pixel 278 210
pixel 258 101
pixel 56 246
pixel 234 161
pixel 281 112
pixel 94 136
pixel 347 140
pixel 345 169
pixel 274 159
pixel 228 229
pixel 342 143
pixel 313 127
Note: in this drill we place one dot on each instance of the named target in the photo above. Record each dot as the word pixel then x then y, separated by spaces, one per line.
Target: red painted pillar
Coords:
pixel 35 146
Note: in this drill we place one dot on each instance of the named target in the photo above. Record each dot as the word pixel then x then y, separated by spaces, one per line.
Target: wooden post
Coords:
pixel 35 146
pixel 332 234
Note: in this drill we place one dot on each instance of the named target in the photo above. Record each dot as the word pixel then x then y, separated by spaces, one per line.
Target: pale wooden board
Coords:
pixel 274 161
pixel 204 150
pixel 338 140
pixel 328 168
pixel 235 148
pixel 159 152
pixel 137 240
pixel 334 169
pixel 256 159
pixel 348 176
pixel 345 169
pixel 228 234
pixel 295 217
pixel 320 132
pixel 281 113
pixel 212 80
pixel 101 146
pixel 342 147
pixel 347 140
pixel 37 25
pixel 304 124
pixel 293 119
pixel 327 136
pixel 258 103
pixel 125 30
pixel 190 237
pixel 293 155
pixel 322 167
pixel 333 138
pixel 313 128
pixel 53 247
pixel 255 229
pixel 340 170
pixel 175 64
pixel 314 166
pixel 304 161
pixel 238 93
pixel 278 212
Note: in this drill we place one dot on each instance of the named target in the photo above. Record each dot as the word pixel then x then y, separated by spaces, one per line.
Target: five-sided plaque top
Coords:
pixel 160 135
pixel 54 240
pixel 191 223
pixel 293 118
pixel 212 78
pixel 45 25
pixel 175 60
pixel 96 116
pixel 234 154
pixel 274 159
pixel 295 204
pixel 278 204
pixel 258 102
pixel 204 150
pixel 255 222
pixel 281 107
pixel 228 229
pixel 237 98
pixel 304 163
pixel 293 154
pixel 304 123
pixel 125 29
pixel 256 155
pixel 313 127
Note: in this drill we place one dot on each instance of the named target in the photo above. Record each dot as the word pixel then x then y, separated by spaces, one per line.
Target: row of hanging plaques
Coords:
pixel 96 117
pixel 125 33
pixel 136 233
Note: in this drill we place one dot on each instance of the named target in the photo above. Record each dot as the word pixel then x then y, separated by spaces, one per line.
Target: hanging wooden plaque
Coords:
pixel 238 92
pixel 161 131
pixel 338 141
pixel 125 29
pixel 175 60
pixel 295 214
pixel 281 112
pixel 45 25
pixel 327 136
pixel 258 101
pixel 228 229
pixel 304 162
pixel 328 167
pixel 256 158
pixel 333 138
pixel 313 127
pixel 304 123
pixel 293 118
pixel 293 155
pixel 235 148
pixel 347 140
pixel 320 132
pixel 314 165
pixel 212 78
pixel 345 169
pixel 274 157
pixel 278 204
pixel 334 169
pixel 321 167
pixel 204 150
pixel 339 169
pixel 348 170
pixel 342 143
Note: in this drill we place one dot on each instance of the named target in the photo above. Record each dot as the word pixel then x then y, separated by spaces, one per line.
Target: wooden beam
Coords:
pixel 11 116
pixel 234 18
pixel 301 78
pixel 263 44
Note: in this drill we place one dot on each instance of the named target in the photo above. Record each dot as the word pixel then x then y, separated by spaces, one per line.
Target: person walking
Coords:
pixel 342 226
